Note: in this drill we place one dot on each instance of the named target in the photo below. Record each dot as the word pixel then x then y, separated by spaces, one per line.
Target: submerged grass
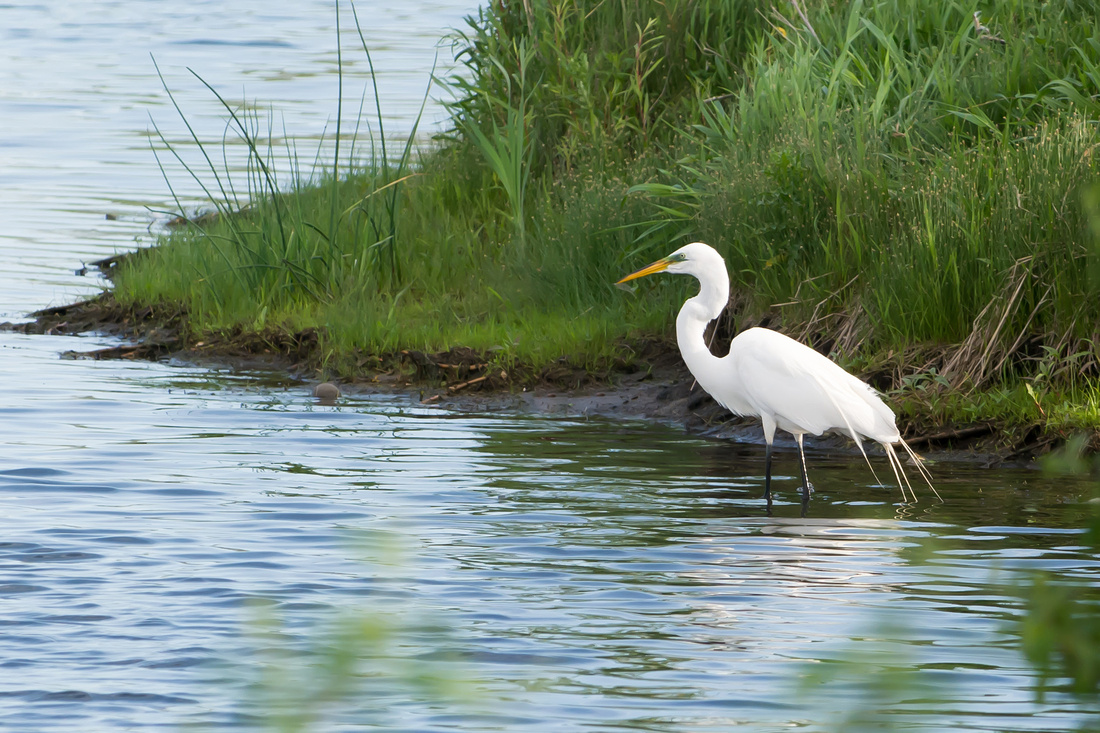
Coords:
pixel 911 187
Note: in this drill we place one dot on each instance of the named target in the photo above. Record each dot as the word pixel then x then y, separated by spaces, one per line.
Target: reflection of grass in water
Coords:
pixel 877 675
pixel 357 667
pixel 1060 634
pixel 879 682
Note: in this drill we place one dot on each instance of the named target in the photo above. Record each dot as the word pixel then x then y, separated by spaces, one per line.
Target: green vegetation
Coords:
pixel 905 185
pixel 1060 632
pixel 354 664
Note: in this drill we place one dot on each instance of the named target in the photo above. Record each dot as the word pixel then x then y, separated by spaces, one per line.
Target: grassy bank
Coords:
pixel 908 186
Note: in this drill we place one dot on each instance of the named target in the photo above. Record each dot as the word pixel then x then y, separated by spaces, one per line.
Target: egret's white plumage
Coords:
pixel 768 375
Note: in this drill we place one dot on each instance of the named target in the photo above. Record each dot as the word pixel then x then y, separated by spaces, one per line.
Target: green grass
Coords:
pixel 885 180
pixel 1063 411
pixel 454 292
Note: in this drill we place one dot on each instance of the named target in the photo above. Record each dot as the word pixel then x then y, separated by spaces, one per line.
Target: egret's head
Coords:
pixel 691 259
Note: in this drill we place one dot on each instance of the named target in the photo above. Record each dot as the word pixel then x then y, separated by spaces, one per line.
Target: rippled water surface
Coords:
pixel 80 100
pixel 191 546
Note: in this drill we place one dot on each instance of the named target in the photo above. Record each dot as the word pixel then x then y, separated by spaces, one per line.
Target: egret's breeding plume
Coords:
pixel 773 377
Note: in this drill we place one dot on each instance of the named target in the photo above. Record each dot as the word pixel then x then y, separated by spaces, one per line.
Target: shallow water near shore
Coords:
pixel 559 572
pixel 187 546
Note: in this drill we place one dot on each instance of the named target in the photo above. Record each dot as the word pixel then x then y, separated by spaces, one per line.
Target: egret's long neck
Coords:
pixel 692 321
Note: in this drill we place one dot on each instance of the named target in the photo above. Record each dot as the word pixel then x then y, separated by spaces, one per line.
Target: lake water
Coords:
pixel 186 546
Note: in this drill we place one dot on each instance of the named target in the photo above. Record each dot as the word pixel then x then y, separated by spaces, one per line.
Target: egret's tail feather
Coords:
pixel 899 472
pixel 920 467
pixel 859 444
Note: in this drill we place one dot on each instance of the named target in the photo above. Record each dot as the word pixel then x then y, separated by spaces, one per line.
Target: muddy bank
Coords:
pixel 463 379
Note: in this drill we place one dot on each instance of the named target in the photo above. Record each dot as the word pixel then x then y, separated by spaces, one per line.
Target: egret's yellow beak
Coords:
pixel 658 266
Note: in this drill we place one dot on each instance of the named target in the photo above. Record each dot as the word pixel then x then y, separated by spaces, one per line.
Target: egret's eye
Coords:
pixel 679 257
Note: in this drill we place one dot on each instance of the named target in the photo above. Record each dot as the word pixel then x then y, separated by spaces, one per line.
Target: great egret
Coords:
pixel 773 377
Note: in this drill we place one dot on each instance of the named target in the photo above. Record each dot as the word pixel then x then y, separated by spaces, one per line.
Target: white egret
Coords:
pixel 768 375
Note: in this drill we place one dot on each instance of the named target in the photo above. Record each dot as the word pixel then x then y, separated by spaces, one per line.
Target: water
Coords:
pixel 191 546
pixel 80 101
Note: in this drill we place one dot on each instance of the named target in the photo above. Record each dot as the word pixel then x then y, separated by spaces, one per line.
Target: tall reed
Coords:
pixel 892 163
pixel 268 251
pixel 884 178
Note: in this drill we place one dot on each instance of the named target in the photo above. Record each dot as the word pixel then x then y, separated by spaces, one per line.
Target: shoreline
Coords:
pixel 461 379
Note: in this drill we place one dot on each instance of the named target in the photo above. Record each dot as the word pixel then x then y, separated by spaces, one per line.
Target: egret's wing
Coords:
pixel 803 389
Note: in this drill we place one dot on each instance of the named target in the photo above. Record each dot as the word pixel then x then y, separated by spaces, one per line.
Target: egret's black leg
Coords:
pixel 806 487
pixel 768 473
